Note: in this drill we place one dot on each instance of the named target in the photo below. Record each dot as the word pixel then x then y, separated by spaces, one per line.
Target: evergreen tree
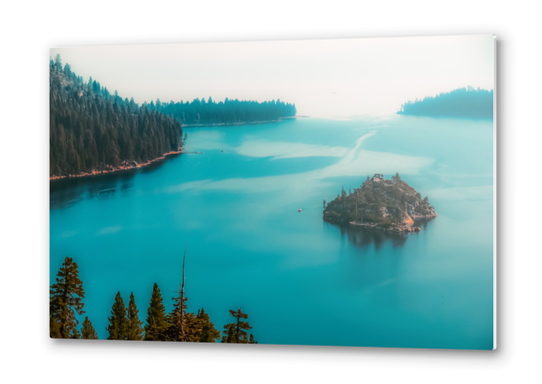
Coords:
pixel 183 326
pixel 178 319
pixel 58 62
pixel 65 300
pixel 156 325
pixel 88 331
pixel 135 330
pixel 54 329
pixel 208 333
pixel 75 334
pixel 118 324
pixel 251 341
pixel 236 332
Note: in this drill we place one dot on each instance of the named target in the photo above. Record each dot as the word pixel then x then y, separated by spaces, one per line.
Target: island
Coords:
pixel 389 205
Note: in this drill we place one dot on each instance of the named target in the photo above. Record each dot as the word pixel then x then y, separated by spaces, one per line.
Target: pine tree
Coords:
pixel 236 332
pixel 252 340
pixel 88 331
pixel 156 327
pixel 65 300
pixel 208 333
pixel 54 329
pixel 135 331
pixel 58 62
pixel 118 324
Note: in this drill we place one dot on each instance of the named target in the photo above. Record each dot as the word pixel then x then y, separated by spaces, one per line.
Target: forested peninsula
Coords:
pixel 94 131
pixel 390 205
pixel 459 103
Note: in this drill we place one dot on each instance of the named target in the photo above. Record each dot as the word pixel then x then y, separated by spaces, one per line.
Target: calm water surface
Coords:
pixel 302 281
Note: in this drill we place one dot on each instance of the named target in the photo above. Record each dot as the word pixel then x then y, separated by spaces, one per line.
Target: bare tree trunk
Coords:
pixel 182 297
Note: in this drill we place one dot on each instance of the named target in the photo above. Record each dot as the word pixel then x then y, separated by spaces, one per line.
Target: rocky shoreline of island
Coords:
pixel 124 166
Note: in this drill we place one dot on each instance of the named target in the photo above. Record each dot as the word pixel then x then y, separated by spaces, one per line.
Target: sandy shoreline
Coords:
pixel 111 169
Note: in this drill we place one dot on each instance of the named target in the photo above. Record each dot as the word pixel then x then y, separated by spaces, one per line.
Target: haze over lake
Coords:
pixel 302 281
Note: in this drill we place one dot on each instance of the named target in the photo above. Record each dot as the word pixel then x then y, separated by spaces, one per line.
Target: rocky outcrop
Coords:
pixel 390 205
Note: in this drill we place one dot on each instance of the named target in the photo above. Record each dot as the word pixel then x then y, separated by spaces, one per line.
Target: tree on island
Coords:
pixel 135 329
pixel 156 324
pixel 118 324
pixel 236 332
pixel 65 300
pixel 88 332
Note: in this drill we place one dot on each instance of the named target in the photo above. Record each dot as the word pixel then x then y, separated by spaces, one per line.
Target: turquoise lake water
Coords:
pixel 300 280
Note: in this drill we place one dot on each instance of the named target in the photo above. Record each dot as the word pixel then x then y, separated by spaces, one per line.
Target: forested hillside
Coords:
pixel 463 103
pixel 201 112
pixel 92 129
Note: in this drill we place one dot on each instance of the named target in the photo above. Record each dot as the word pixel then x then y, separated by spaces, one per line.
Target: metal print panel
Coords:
pixel 316 192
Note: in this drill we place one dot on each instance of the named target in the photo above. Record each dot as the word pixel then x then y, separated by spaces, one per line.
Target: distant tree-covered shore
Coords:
pixel 460 103
pixel 228 112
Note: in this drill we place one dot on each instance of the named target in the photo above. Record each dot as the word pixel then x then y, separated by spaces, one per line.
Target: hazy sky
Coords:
pixel 324 78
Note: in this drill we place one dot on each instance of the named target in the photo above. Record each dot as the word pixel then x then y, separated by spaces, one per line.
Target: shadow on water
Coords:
pixel 364 237
pixel 66 192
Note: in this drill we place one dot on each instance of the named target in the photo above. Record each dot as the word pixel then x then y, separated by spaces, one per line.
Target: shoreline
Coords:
pixel 111 169
pixel 408 225
pixel 244 123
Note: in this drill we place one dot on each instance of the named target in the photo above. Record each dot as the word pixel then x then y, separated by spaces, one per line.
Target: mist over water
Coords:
pixel 301 280
pixel 324 78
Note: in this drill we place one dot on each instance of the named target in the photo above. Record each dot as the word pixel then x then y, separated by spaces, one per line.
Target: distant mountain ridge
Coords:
pixel 459 103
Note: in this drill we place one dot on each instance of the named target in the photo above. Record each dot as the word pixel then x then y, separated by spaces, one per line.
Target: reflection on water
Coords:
pixel 363 237
pixel 66 192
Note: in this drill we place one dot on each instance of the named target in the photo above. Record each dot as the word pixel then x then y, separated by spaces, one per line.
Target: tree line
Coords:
pixel 202 112
pixel 66 302
pixel 92 129
pixel 463 102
